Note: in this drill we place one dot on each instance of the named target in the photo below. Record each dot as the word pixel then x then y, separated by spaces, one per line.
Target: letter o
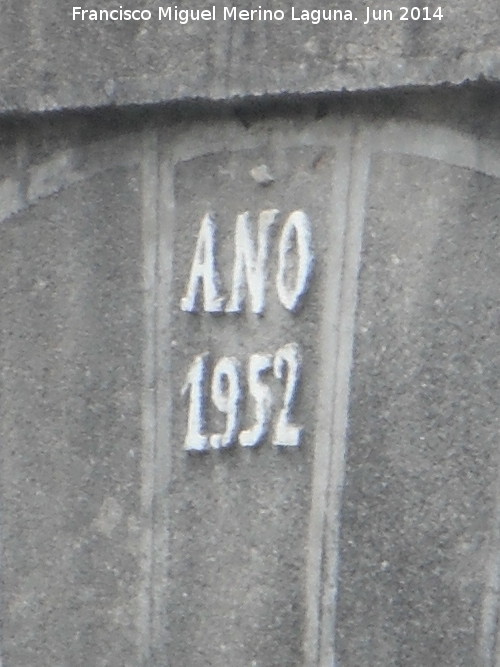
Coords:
pixel 290 292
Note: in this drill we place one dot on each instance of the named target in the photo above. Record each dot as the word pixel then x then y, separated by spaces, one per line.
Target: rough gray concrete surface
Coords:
pixel 246 505
pixel 373 543
pixel 50 61
pixel 420 510
pixel 71 376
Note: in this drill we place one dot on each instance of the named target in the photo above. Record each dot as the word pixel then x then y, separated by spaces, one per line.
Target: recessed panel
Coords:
pixel 418 556
pixel 250 255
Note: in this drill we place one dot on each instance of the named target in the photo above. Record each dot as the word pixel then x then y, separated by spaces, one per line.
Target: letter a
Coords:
pixel 203 270
pixel 251 264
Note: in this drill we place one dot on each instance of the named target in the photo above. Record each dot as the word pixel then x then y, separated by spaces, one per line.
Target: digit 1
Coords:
pixel 257 365
pixel 287 434
pixel 226 396
pixel 195 380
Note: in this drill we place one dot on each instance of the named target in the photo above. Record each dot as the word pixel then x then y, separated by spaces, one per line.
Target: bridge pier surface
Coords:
pixel 250 349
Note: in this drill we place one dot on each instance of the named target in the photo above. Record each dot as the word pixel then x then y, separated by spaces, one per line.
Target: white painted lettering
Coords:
pixel 258 364
pixel 287 434
pixel 226 396
pixel 296 233
pixel 204 272
pixel 227 392
pixel 250 265
pixel 195 384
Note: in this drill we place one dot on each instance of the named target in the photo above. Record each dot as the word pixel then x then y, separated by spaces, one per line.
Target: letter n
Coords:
pixel 249 264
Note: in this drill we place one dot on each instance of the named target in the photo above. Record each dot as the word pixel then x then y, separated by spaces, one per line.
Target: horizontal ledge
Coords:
pixel 355 76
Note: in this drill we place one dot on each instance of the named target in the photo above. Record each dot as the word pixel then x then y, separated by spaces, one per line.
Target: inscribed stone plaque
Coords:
pixel 250 235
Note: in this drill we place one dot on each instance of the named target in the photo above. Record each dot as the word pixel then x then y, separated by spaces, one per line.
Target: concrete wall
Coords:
pixel 364 532
pixel 50 60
